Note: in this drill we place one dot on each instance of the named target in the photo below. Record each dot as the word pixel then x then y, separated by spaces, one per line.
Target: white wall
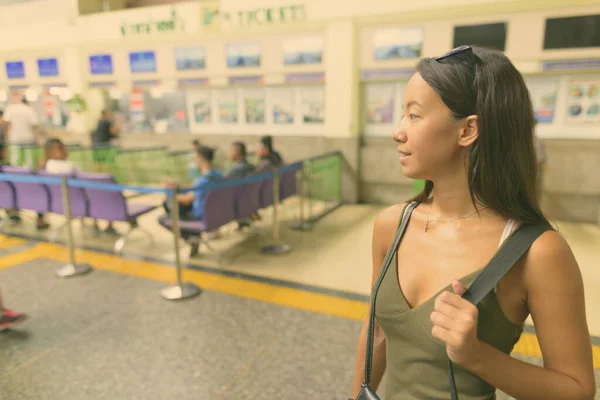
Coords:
pixel 49 28
pixel 35 12
pixel 524 47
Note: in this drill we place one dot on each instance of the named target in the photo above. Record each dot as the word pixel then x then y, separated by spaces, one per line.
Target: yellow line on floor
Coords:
pixel 24 256
pixel 296 298
pixel 6 242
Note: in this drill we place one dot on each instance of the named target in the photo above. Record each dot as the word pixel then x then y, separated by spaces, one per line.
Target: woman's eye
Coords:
pixel 412 116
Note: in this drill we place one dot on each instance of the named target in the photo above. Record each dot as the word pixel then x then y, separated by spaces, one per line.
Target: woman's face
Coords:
pixel 428 135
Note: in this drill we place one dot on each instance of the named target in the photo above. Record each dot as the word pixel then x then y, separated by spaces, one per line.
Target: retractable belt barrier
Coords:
pixel 180 290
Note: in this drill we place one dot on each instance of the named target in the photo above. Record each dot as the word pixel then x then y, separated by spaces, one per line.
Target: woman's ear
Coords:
pixel 469 132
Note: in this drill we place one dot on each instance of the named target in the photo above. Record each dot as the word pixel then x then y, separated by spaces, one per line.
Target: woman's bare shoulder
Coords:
pixel 550 260
pixel 387 222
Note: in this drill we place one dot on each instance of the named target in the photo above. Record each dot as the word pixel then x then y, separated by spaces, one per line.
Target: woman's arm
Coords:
pixel 379 361
pixel 383 234
pixel 556 301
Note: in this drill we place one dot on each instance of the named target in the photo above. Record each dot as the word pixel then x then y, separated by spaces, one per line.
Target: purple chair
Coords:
pixel 247 199
pixel 219 209
pixel 112 206
pixel 77 198
pixel 266 194
pixel 287 186
pixel 29 196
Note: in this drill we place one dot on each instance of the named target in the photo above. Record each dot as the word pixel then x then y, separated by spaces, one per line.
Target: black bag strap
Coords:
pixel 407 211
pixel 509 253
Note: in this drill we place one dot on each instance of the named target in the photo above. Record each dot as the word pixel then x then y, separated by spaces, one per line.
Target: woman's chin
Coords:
pixel 412 174
pixel 409 172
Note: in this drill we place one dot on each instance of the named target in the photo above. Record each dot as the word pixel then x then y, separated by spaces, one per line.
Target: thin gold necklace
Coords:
pixel 450 220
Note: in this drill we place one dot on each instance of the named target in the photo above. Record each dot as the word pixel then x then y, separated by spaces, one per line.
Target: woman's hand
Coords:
pixel 455 323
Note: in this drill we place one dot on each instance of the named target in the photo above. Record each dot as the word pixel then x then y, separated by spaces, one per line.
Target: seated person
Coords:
pixel 240 167
pixel 191 204
pixel 269 158
pixel 56 162
pixel 56 158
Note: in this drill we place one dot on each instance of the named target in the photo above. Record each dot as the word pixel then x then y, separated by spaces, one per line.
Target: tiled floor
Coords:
pixel 335 255
pixel 274 327
pixel 110 336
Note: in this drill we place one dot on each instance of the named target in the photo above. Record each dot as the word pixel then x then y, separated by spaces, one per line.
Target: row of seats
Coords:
pixel 222 205
pixel 92 203
pixel 233 203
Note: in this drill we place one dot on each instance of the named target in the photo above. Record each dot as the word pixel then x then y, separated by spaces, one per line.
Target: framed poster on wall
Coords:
pixel 396 42
pixel 199 106
pixel 303 50
pixel 283 106
pixel 190 58
pixel 380 100
pixel 543 92
pixel 382 105
pixel 312 105
pixel 583 101
pixel 240 55
pixel 228 107
pixel 254 106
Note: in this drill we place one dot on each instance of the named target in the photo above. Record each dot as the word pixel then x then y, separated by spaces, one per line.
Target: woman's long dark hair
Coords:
pixel 501 165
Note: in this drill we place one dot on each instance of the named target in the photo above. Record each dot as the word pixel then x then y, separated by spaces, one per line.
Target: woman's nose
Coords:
pixel 399 133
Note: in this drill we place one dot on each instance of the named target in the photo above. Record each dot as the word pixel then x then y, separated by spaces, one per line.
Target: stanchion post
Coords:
pixel 303 224
pixel 71 269
pixel 276 194
pixel 181 290
pixel 277 247
pixel 309 191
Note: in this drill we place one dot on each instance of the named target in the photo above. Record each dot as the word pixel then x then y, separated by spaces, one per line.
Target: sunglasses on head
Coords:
pixel 455 51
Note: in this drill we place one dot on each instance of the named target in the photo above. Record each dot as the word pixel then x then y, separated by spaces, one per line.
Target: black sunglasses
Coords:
pixel 455 51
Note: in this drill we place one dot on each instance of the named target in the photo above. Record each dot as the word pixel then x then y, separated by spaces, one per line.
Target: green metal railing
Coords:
pixel 140 166
pixel 31 155
pixel 177 165
pixel 322 184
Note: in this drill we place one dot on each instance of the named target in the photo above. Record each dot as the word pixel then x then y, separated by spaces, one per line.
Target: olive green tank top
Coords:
pixel 417 364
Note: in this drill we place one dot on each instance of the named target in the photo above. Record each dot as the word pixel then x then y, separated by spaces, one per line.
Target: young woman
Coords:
pixel 467 130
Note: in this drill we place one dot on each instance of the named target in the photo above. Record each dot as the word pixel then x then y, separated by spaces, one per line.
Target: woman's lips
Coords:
pixel 403 156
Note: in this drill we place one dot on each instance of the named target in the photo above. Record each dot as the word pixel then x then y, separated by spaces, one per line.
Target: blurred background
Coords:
pixel 319 75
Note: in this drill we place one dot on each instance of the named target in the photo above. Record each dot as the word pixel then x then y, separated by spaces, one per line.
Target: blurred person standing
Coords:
pixel 22 121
